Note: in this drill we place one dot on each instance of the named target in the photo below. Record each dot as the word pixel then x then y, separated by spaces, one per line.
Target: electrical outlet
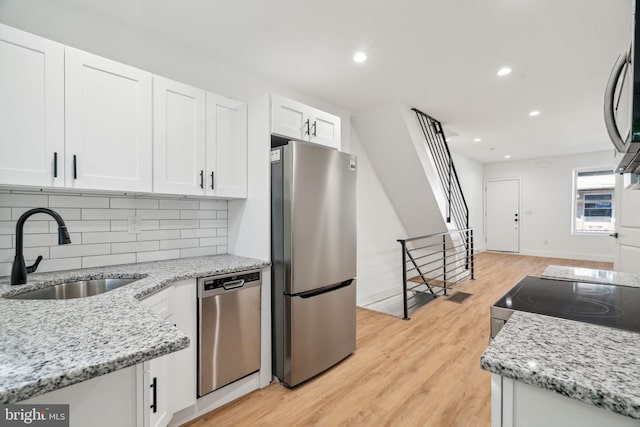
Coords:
pixel 133 225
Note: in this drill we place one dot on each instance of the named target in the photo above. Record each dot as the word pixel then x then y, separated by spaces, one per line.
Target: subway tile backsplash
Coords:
pixel 98 225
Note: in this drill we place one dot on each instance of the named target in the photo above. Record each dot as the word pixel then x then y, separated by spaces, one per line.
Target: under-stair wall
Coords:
pixel 407 198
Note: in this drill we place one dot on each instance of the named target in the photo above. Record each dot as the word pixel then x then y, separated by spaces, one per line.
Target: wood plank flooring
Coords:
pixel 421 372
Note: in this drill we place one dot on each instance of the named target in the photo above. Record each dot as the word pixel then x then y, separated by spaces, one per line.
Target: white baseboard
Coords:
pixel 568 255
pixel 378 296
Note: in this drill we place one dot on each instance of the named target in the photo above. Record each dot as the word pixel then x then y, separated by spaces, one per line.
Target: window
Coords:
pixel 594 200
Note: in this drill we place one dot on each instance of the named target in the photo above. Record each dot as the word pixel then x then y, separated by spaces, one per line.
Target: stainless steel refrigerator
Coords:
pixel 313 250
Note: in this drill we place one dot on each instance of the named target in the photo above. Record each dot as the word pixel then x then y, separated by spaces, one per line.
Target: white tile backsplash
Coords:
pixel 101 260
pixel 98 226
pixel 78 202
pixel 123 203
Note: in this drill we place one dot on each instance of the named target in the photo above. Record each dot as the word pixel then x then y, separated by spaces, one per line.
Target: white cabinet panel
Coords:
pixel 183 366
pixel 628 228
pixel 179 120
pixel 289 118
pixel 226 147
pixel 293 119
pixel 108 124
pixel 31 109
pixel 105 401
pixel 325 129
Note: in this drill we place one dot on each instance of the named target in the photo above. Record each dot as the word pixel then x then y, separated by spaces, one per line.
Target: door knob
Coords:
pixel 614 235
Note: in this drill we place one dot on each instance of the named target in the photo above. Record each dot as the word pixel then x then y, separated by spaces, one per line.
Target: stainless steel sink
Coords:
pixel 69 290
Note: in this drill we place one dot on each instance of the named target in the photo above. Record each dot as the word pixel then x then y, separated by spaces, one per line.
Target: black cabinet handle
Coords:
pixel 201 179
pixel 154 386
pixel 75 167
pixel 212 181
pixel 55 164
pixel 307 125
pixel 314 128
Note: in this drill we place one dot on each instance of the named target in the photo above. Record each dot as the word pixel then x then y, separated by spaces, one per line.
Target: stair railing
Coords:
pixel 434 264
pixel 457 210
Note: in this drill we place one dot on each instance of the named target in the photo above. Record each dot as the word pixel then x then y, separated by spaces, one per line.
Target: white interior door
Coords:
pixel 627 206
pixel 502 215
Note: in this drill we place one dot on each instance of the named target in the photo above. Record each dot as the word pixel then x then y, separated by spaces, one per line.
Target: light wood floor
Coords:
pixel 421 372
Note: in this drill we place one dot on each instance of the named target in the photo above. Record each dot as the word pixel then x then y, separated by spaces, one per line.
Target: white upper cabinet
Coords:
pixel 226 147
pixel 289 118
pixel 293 119
pixel 325 129
pixel 108 108
pixel 179 124
pixel 31 109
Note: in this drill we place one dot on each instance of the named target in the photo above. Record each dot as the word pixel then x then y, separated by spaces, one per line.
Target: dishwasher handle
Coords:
pixel 234 284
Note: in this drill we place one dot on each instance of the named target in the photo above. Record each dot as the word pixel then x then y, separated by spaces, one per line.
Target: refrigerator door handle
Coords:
pixel 609 102
pixel 326 289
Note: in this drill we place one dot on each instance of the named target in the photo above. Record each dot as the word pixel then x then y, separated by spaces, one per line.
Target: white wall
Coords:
pixel 379 255
pixel 546 205
pixel 471 174
pixel 170 229
pixel 71 25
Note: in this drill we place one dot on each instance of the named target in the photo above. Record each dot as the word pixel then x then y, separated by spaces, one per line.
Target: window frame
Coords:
pixel 574 201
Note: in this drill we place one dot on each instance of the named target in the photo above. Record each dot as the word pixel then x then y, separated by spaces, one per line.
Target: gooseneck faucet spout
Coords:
pixel 19 270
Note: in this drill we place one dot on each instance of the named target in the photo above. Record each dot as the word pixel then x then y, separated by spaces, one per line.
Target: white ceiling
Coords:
pixel 440 56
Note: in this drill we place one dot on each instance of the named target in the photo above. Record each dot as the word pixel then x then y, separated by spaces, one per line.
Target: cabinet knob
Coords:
pixel 307 125
pixel 201 179
pixel 314 128
pixel 55 164
pixel 212 181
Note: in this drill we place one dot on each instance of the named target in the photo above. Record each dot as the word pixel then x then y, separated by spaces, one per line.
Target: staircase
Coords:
pixel 409 152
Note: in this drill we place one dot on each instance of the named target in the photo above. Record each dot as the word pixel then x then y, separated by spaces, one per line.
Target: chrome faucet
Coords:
pixel 19 270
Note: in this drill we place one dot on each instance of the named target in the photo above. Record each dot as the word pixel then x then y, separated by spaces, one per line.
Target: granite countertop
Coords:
pixel 590 363
pixel 49 344
pixel 580 274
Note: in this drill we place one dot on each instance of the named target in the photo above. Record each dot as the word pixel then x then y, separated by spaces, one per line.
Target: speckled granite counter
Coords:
pixel 593 364
pixel 591 275
pixel 49 344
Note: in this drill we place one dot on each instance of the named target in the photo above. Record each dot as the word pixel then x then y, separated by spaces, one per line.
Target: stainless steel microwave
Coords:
pixel 622 104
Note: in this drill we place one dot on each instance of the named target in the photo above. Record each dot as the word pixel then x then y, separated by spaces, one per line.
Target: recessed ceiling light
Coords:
pixel 477 139
pixel 534 113
pixel 507 156
pixel 504 71
pixel 360 57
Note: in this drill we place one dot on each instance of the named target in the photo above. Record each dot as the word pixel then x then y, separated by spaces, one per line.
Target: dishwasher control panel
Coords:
pixel 236 280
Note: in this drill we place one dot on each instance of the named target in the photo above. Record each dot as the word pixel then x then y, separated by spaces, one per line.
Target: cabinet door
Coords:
pixel 325 129
pixel 179 121
pixel 289 118
pixel 108 124
pixel 226 147
pixel 159 389
pixel 31 109
pixel 183 369
pixel 157 375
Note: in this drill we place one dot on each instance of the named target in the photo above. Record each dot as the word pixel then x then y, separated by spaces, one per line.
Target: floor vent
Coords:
pixel 458 297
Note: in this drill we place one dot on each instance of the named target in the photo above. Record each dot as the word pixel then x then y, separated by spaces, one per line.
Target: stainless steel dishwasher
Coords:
pixel 228 329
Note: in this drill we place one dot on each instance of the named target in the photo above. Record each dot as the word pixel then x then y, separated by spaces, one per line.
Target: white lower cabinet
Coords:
pixel 516 404
pixel 114 399
pixel 170 380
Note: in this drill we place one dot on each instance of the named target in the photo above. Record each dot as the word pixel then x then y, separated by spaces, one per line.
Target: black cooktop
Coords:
pixel 605 305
